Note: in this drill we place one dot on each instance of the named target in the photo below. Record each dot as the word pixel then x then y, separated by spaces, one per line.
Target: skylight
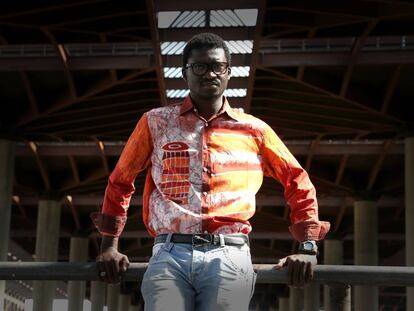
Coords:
pixel 181 93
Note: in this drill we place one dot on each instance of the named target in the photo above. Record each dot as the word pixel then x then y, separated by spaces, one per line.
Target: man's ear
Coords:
pixel 184 74
pixel 229 72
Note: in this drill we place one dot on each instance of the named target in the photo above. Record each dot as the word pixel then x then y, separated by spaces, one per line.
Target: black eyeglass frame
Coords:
pixel 209 67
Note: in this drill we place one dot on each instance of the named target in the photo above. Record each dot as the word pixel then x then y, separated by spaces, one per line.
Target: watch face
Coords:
pixel 308 246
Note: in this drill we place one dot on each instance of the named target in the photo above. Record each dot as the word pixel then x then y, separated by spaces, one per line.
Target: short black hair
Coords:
pixel 205 40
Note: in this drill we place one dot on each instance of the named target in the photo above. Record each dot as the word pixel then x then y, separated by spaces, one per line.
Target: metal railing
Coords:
pixel 304 45
pixel 266 273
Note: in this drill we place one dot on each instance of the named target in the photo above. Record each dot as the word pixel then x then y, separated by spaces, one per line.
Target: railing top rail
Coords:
pixel 267 274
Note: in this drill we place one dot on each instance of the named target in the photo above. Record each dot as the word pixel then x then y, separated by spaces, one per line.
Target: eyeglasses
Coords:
pixel 200 69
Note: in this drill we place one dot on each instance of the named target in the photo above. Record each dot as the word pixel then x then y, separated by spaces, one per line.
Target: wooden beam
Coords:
pixel 255 54
pixel 359 44
pixel 391 89
pixel 41 166
pixel 151 13
pixel 68 101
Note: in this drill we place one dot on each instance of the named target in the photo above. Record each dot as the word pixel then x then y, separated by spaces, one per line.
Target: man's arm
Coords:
pixel 300 195
pixel 110 222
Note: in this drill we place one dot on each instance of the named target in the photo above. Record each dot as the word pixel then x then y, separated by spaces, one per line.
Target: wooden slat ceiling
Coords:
pixel 320 73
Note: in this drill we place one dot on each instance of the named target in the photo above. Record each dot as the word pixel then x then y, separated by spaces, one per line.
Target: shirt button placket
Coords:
pixel 205 170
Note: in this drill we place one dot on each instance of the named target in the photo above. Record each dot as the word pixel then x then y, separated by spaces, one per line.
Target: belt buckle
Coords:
pixel 201 239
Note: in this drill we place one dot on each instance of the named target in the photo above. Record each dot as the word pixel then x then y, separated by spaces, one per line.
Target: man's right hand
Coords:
pixel 111 264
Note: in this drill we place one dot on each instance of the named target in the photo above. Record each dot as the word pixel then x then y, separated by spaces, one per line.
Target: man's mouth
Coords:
pixel 210 83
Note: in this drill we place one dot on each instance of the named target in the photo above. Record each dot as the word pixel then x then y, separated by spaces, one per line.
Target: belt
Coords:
pixel 204 239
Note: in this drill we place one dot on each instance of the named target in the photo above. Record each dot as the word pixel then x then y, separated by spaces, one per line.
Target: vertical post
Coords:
pixel 47 240
pixel 337 297
pixel 409 212
pixel 366 251
pixel 124 302
pixel 7 149
pixel 312 297
pixel 283 304
pixel 296 296
pixel 133 308
pixel 112 296
pixel 97 295
pixel 76 289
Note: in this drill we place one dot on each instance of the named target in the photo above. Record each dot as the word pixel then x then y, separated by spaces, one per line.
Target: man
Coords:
pixel 205 162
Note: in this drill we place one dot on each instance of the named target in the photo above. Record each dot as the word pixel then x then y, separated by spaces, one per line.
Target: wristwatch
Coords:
pixel 308 247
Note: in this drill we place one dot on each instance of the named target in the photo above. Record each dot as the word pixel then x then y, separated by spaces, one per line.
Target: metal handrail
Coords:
pixel 266 273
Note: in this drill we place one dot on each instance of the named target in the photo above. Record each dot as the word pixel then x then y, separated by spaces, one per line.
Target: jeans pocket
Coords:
pixel 254 278
pixel 239 259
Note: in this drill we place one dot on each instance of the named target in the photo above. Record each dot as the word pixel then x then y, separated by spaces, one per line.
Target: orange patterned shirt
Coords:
pixel 202 176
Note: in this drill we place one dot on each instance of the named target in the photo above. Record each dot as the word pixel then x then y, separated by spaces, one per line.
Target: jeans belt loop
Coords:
pixel 169 236
pixel 222 243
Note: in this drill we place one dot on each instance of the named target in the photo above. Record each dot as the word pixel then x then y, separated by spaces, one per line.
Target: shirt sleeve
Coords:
pixel 299 192
pixel 135 158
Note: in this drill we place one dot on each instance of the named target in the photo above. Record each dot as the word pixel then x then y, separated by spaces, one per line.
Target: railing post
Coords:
pixel 112 296
pixel 296 297
pixel 76 289
pixel 337 297
pixel 409 212
pixel 47 240
pixel 98 294
pixel 7 155
pixel 283 304
pixel 312 297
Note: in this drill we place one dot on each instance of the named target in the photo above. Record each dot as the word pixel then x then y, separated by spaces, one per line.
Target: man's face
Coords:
pixel 209 85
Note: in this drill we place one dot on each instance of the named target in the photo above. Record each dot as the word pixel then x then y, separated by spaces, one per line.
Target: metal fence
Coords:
pixel 266 273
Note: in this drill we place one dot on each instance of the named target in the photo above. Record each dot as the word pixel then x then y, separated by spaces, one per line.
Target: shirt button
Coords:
pixel 205 169
pixel 205 231
pixel 205 146
pixel 204 193
pixel 206 124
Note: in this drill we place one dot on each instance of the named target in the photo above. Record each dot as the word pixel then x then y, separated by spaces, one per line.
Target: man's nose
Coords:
pixel 210 73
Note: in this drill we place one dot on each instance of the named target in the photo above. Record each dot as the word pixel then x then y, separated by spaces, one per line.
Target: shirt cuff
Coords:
pixel 310 230
pixel 108 225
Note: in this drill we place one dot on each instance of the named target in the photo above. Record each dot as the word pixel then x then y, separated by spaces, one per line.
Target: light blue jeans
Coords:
pixel 183 277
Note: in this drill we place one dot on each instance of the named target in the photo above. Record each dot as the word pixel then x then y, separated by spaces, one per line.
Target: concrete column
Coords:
pixel 7 150
pixel 283 303
pixel 409 212
pixel 76 289
pixel 124 302
pixel 98 290
pixel 47 240
pixel 366 251
pixel 112 296
pixel 337 297
pixel 296 296
pixel 312 297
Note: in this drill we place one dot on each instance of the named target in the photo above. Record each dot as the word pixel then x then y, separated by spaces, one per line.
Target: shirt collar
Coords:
pixel 187 105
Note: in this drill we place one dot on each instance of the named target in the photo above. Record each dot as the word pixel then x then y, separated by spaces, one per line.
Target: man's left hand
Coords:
pixel 300 268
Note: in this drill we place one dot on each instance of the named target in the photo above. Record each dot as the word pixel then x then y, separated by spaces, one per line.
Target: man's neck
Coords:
pixel 207 108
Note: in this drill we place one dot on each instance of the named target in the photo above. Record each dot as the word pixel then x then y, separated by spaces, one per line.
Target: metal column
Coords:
pixel 76 289
pixel 409 212
pixel 7 149
pixel 366 251
pixel 47 241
